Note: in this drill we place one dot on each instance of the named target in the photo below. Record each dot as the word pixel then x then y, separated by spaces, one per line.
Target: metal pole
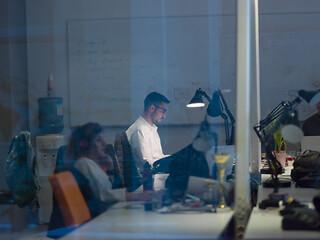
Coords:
pixel 255 156
pixel 243 125
pixel 255 151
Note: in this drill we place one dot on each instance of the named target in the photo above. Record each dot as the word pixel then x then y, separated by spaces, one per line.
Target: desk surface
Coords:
pixel 304 195
pixel 267 223
pixel 128 220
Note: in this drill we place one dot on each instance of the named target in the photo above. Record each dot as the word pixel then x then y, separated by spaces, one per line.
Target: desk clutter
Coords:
pixel 202 195
pixel 297 216
pixel 191 204
pixel 304 168
pixel 304 171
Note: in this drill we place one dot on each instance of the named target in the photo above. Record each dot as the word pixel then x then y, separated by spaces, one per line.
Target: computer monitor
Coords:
pixel 310 143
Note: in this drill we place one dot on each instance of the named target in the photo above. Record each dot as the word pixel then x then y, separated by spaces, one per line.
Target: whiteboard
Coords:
pixel 115 63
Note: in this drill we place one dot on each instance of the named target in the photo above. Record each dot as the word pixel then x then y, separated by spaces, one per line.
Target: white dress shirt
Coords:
pixel 99 181
pixel 145 142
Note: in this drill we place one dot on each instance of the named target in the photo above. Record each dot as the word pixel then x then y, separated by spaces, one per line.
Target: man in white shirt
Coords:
pixel 143 135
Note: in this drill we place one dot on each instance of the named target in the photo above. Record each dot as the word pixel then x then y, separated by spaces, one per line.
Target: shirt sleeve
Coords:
pixel 141 146
pixel 100 183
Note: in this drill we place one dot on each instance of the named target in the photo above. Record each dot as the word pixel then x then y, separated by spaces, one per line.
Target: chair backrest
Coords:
pixel 72 204
pixel 131 177
pixel 116 174
pixel 119 147
pixel 61 156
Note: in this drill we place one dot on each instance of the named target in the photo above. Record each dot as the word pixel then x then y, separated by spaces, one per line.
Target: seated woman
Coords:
pixel 88 148
pixel 87 157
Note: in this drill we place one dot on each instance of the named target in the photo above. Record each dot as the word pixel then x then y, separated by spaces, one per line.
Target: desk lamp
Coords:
pixel 217 107
pixel 311 97
pixel 283 114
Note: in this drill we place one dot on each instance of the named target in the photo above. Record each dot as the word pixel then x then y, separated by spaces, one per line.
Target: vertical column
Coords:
pixel 242 187
pixel 255 152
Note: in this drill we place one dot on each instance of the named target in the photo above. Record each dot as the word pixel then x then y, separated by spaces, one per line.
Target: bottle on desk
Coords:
pixel 147 184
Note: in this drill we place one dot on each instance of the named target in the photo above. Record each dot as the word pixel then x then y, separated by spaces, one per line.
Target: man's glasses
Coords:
pixel 164 110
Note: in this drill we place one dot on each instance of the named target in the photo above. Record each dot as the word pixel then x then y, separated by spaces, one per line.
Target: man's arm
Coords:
pixel 141 146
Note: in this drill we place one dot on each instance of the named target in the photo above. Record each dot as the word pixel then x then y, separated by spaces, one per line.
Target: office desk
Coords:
pixel 304 195
pixel 267 223
pixel 128 220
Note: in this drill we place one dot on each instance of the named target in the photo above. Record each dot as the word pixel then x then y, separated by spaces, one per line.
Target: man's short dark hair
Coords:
pixel 154 98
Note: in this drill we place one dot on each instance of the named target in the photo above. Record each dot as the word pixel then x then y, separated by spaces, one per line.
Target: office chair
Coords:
pixel 116 174
pixel 131 177
pixel 72 204
pixel 61 156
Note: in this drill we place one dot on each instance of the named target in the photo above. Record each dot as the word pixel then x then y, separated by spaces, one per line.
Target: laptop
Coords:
pixel 198 187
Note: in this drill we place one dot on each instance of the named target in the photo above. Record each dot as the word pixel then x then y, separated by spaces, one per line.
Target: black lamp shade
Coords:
pixel 215 107
pixel 312 97
pixel 196 101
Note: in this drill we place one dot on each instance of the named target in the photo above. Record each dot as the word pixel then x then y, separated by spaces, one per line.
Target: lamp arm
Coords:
pixel 231 141
pixel 213 134
pixel 279 114
pixel 273 163
pixel 215 137
pixel 225 105
pixel 274 114
pixel 232 120
pixel 203 93
pixel 280 110
pixel 226 126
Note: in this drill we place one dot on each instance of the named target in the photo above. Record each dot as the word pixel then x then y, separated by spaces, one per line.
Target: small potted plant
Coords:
pixel 280 148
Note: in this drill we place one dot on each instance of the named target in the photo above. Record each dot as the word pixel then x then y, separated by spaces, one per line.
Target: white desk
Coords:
pixel 303 195
pixel 267 223
pixel 133 222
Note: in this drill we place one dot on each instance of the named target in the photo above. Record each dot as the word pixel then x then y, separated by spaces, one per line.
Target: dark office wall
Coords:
pixel 47 30
pixel 48 49
pixel 5 103
pixel 13 75
pixel 13 70
pixel 47 23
